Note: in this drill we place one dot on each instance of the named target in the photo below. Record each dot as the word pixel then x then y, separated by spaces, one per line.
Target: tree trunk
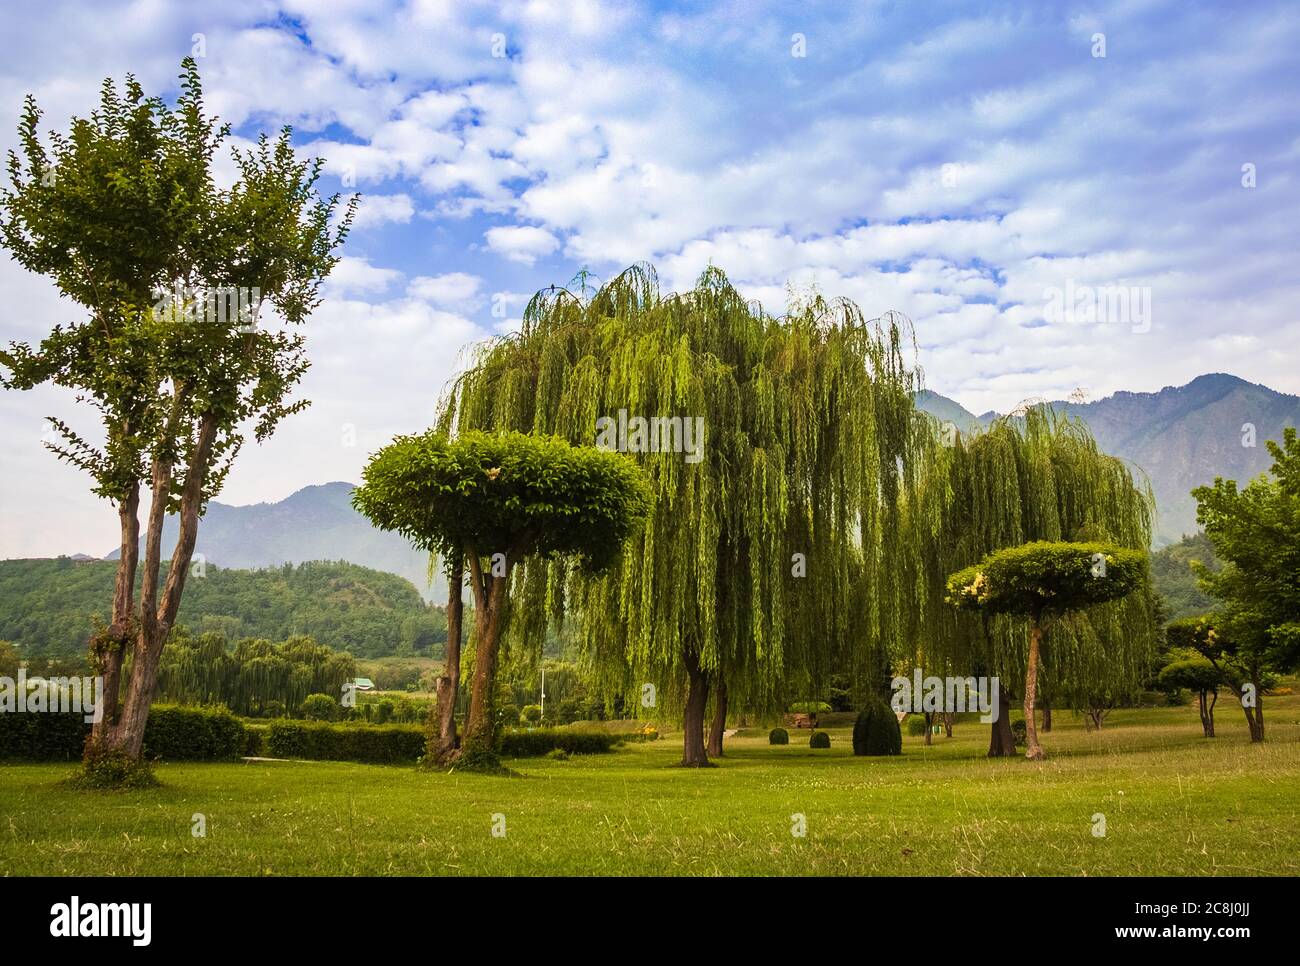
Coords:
pixel 697 698
pixel 1002 743
pixel 1033 750
pixel 1207 712
pixel 719 720
pixel 947 724
pixel 489 602
pixel 929 726
pixel 444 744
pixel 1047 716
pixel 108 651
pixel 1255 715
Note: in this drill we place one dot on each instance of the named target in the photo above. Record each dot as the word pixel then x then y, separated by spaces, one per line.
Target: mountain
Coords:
pixel 46 606
pixel 315 523
pixel 1181 436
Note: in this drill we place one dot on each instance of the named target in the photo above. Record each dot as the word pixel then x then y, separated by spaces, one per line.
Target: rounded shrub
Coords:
pixel 876 731
pixel 819 739
pixel 778 736
pixel 1018 731
pixel 915 725
pixel 319 707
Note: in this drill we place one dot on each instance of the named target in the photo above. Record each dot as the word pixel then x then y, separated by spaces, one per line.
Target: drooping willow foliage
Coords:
pixel 809 434
pixel 1032 476
pixel 257 677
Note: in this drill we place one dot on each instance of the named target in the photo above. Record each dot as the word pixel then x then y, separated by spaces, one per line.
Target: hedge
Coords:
pixel 540 741
pixel 173 733
pixel 321 741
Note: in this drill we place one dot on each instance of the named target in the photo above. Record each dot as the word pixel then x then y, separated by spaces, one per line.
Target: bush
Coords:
pixel 182 733
pixel 370 744
pixel 819 739
pixel 384 711
pixel 557 754
pixel 319 707
pixel 915 725
pixel 541 741
pixel 255 740
pixel 531 715
pixel 173 732
pixel 876 731
pixel 1018 731
pixel 778 736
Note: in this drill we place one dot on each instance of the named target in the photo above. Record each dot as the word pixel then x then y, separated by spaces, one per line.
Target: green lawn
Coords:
pixel 1173 802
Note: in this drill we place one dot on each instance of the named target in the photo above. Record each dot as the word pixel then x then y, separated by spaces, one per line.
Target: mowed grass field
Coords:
pixel 1174 803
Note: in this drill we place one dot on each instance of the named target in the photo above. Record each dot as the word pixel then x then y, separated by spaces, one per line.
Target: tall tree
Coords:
pixel 776 450
pixel 124 214
pixel 495 501
pixel 1034 475
pixel 1255 531
pixel 1043 580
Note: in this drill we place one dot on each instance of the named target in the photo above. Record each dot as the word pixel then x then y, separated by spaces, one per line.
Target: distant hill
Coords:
pixel 315 523
pixel 1171 572
pixel 46 606
pixel 1181 436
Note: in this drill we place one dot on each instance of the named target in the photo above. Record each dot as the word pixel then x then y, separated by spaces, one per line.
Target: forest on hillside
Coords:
pixel 47 606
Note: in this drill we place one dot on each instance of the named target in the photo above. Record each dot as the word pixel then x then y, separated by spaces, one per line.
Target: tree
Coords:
pixel 1190 670
pixel 775 450
pixel 495 500
pixel 1042 580
pixel 1034 475
pixel 1255 532
pixel 125 215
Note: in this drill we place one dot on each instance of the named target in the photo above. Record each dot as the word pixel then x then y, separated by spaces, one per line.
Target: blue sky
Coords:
pixel 953 162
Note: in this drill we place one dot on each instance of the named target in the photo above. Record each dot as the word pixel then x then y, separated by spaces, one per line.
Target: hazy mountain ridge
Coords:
pixel 314 523
pixel 1181 436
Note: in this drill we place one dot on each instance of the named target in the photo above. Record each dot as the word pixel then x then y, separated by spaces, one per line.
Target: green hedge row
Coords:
pixel 541 741
pixel 173 733
pixel 319 740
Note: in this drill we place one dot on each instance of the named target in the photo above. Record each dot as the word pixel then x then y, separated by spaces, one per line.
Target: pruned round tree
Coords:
pixel 493 500
pixel 1042 580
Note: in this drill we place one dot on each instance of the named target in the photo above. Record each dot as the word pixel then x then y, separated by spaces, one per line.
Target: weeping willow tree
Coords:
pixel 775 450
pixel 1034 476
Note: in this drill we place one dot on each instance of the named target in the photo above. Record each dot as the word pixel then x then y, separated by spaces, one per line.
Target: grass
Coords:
pixel 1173 803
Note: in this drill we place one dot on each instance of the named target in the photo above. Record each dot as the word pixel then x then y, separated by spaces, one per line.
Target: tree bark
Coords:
pixel 1002 743
pixel 1047 716
pixel 489 602
pixel 947 724
pixel 1255 715
pixel 444 744
pixel 929 726
pixel 719 720
pixel 1033 750
pixel 697 698
pixel 109 650
pixel 1207 712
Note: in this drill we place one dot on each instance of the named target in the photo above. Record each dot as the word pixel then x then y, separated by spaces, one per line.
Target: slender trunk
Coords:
pixel 697 698
pixel 108 651
pixel 444 744
pixel 1047 716
pixel 929 726
pixel 1255 715
pixel 1002 743
pixel 947 724
pixel 1033 750
pixel 1207 712
pixel 719 724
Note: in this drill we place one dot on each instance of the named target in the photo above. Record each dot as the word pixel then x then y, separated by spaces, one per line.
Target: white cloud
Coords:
pixel 521 243
pixel 377 210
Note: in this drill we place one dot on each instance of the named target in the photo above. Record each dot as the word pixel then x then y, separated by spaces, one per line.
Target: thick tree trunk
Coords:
pixel 444 744
pixel 108 651
pixel 1033 750
pixel 1255 715
pixel 697 699
pixel 1047 716
pixel 719 724
pixel 1002 743
pixel 489 602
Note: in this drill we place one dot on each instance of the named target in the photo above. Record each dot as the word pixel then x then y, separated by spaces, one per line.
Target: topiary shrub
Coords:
pixel 541 741
pixel 319 707
pixel 915 725
pixel 876 731
pixel 819 739
pixel 778 736
pixel 1018 731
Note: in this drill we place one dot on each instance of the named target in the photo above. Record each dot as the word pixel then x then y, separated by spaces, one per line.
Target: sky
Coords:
pixel 985 170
